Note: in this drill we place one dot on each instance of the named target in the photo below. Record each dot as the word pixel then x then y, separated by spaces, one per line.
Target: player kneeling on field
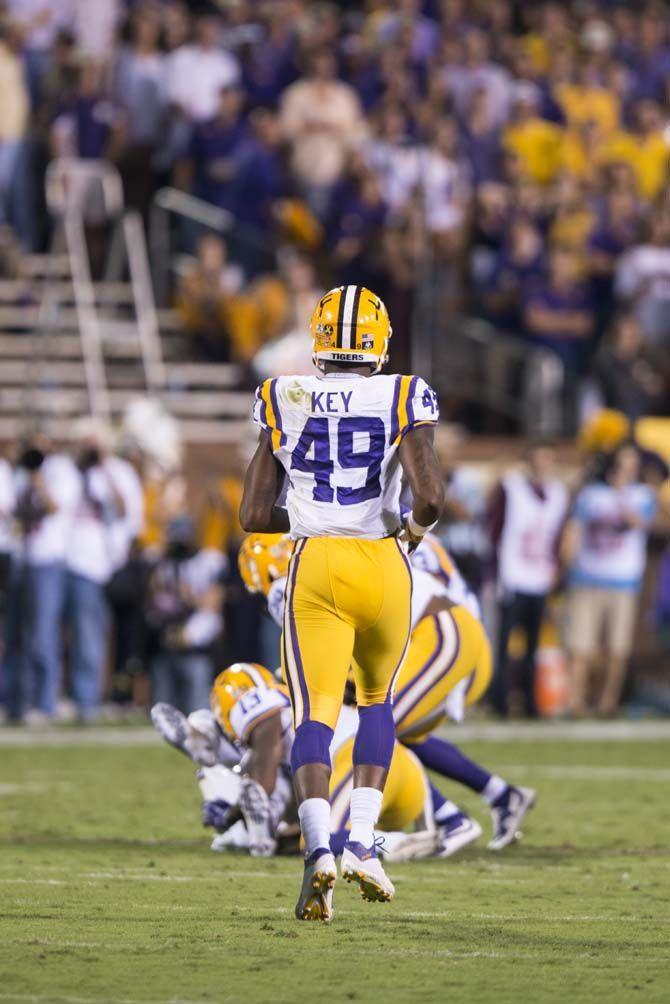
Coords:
pixel 249 730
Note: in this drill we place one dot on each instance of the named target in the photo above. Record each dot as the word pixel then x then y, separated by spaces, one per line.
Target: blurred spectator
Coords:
pixel 14 109
pixel 209 303
pixel 527 512
pixel 140 90
pixel 175 23
pixel 90 125
pixel 271 66
pixel 198 71
pixel 184 609
pixel 46 489
pixel 214 163
pixel 477 72
pixel 559 313
pixel 407 18
pixel 39 22
pixel 108 515
pixel 322 120
pixel 463 528
pixel 356 226
pixel 651 148
pixel 59 83
pixel 260 175
pixel 445 183
pixel 529 137
pixel 95 23
pixel 632 375
pixel 643 279
pixel 615 230
pixel 394 156
pixel 289 352
pixel 604 547
pixel 513 269
pixel 481 140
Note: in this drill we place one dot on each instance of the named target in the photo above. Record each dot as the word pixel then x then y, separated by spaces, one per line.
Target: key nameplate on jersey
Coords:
pixel 324 402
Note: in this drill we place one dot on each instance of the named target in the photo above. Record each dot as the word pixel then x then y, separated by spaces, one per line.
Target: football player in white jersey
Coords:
pixel 342 439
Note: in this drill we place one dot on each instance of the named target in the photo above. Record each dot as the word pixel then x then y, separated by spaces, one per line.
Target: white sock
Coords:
pixel 446 811
pixel 494 789
pixel 314 815
pixel 366 804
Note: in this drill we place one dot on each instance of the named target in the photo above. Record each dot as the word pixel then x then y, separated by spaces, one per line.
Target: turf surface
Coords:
pixel 108 892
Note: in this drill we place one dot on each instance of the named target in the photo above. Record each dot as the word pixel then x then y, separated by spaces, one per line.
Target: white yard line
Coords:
pixel 53 998
pixel 545 731
pixel 586 772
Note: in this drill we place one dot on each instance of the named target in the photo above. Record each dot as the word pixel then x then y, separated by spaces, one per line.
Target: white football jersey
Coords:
pixel 432 578
pixel 337 437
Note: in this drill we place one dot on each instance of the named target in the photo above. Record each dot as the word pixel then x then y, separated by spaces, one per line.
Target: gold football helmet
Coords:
pixel 264 557
pixel 350 324
pixel 231 684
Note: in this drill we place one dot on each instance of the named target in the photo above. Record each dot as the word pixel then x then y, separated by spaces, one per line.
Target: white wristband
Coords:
pixel 416 529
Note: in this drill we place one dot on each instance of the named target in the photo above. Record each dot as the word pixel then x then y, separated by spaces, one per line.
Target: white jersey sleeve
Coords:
pixel 337 438
pixel 435 575
pixel 275 601
pixel 254 705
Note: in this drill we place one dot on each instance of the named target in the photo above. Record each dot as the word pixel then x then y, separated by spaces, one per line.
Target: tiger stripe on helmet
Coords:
pixel 339 327
pixel 352 297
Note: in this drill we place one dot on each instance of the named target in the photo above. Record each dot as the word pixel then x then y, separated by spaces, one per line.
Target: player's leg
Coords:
pixel 583 640
pixel 621 607
pixel 406 801
pixel 317 646
pixel 531 619
pixel 509 803
pixel 381 643
pixel 499 689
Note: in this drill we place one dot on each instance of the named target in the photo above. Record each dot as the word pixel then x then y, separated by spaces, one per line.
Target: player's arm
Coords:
pixel 265 752
pixel 422 470
pixel 259 512
pixel 258 783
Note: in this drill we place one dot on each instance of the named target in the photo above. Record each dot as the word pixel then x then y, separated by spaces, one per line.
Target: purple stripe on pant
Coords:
pixel 295 561
pixel 389 692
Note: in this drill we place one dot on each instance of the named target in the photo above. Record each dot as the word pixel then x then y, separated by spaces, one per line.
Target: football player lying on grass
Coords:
pixel 251 805
pixel 447 669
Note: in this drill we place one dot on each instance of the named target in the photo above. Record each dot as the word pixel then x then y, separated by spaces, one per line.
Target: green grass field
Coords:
pixel 108 892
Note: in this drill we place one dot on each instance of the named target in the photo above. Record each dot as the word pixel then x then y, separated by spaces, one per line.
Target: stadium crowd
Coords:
pixel 523 148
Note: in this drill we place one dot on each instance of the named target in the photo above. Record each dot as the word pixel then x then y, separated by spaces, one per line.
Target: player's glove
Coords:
pixel 257 812
pixel 216 814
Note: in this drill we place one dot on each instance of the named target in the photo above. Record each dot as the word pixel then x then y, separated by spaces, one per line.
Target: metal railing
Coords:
pixel 70 192
pixel 470 360
pixel 172 203
pixel 78 191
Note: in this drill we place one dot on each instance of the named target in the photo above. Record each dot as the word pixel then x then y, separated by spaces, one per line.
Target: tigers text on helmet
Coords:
pixel 263 558
pixel 350 324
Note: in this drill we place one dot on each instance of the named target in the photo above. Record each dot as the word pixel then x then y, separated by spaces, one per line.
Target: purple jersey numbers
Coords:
pixel 429 400
pixel 316 433
pixel 320 465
